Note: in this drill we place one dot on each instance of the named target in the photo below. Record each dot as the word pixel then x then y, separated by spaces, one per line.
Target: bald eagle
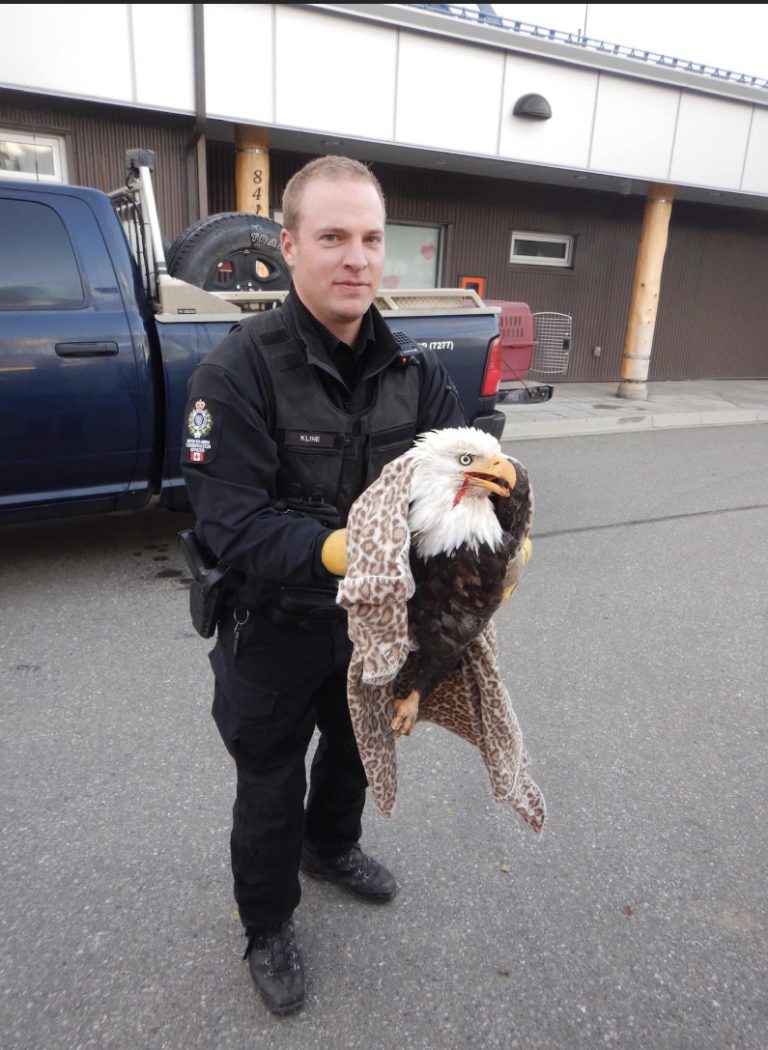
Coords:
pixel 469 515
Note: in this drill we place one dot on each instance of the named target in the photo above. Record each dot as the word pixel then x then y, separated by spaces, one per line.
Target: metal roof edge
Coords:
pixel 403 16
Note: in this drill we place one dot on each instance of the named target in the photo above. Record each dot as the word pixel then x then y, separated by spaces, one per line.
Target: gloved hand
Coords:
pixel 515 569
pixel 334 552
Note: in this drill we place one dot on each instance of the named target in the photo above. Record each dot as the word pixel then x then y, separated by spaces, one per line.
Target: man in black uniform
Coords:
pixel 288 420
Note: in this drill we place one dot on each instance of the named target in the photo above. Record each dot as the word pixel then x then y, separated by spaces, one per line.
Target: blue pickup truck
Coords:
pixel 98 337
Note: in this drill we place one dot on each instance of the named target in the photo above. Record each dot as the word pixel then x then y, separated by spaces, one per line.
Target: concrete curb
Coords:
pixel 585 427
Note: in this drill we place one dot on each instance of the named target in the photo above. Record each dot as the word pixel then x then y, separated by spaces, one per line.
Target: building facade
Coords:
pixel 546 210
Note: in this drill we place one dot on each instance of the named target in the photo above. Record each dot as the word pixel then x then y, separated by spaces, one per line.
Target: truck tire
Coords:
pixel 232 251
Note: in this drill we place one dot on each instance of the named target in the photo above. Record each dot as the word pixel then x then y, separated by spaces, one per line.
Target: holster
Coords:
pixel 207 590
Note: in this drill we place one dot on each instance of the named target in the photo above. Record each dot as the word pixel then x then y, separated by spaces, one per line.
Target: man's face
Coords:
pixel 336 254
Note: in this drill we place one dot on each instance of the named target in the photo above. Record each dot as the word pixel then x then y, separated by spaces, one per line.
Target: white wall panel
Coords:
pixel 711 142
pixel 71 49
pixel 334 75
pixel 292 66
pixel 564 138
pixel 634 128
pixel 239 62
pixel 448 95
pixel 164 55
pixel 756 168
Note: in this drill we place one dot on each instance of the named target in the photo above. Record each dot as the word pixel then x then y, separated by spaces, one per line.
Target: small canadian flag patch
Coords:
pixel 197 457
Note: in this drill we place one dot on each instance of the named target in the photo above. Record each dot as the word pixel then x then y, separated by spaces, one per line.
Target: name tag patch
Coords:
pixel 310 439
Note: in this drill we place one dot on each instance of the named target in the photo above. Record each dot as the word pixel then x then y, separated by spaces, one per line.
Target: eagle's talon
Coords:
pixel 407 713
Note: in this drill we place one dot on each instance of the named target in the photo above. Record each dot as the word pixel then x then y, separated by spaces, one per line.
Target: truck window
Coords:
pixel 38 269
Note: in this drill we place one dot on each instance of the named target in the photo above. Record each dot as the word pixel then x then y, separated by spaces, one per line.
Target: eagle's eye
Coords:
pixel 465 459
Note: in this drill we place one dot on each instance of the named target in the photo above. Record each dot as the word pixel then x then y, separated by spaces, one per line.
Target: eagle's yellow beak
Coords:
pixel 497 474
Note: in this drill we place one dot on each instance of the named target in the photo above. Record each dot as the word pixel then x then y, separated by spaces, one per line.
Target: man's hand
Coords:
pixel 334 552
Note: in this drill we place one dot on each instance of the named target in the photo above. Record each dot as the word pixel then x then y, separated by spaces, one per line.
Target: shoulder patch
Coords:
pixel 199 427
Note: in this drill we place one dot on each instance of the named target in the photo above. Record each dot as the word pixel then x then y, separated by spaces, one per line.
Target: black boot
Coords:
pixel 276 967
pixel 354 871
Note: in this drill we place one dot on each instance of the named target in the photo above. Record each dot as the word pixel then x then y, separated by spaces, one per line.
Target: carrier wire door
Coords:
pixel 552 349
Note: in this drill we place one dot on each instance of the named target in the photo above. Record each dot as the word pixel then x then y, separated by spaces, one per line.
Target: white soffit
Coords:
pixel 564 138
pixel 448 95
pixel 164 55
pixel 634 128
pixel 711 142
pixel 68 49
pixel 334 75
pixel 239 62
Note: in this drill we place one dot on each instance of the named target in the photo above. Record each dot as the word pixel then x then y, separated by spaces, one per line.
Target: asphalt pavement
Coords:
pixel 635 654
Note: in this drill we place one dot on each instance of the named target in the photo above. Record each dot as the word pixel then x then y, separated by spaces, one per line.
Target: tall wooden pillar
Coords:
pixel 644 304
pixel 252 170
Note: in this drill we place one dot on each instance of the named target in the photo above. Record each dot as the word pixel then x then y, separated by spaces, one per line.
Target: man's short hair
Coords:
pixel 332 168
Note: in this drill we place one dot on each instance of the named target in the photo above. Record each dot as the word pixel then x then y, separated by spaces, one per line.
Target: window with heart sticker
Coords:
pixel 413 256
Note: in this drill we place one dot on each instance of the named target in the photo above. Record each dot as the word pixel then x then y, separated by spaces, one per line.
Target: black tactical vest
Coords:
pixel 328 456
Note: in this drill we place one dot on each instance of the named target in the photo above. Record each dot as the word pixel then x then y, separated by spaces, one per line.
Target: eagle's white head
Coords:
pixel 456 471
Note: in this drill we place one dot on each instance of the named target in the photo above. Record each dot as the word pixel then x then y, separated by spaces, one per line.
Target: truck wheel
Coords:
pixel 232 251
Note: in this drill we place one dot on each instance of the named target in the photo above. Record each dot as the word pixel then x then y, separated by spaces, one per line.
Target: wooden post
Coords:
pixel 252 170
pixel 644 304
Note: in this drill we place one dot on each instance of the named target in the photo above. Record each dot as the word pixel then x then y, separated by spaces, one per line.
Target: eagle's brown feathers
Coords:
pixel 460 587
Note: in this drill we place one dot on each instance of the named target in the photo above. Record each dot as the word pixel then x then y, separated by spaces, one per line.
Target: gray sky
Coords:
pixel 731 36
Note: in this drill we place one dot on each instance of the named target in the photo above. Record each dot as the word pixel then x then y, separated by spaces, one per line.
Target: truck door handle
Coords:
pixel 86 349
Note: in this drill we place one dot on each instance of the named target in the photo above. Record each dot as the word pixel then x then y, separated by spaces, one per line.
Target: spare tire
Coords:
pixel 232 251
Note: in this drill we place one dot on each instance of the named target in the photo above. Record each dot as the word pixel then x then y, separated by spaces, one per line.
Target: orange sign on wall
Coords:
pixel 477 284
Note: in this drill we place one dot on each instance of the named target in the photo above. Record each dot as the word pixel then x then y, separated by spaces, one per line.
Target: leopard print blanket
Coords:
pixel 472 702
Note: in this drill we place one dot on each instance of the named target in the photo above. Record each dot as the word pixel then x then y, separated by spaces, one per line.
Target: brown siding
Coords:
pixel 481 215
pixel 713 309
pixel 221 176
pixel 713 313
pixel 97 137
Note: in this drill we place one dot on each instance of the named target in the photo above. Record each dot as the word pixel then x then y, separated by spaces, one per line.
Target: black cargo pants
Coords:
pixel 270 694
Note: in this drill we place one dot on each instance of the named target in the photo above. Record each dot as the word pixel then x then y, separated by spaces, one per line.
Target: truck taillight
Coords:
pixel 490 387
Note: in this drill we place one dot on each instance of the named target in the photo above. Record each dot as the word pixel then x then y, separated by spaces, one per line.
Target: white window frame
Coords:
pixel 55 142
pixel 538 260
